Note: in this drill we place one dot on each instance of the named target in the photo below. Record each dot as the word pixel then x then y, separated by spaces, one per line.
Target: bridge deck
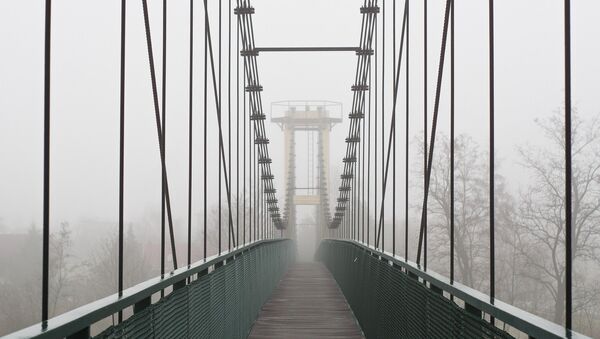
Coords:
pixel 307 304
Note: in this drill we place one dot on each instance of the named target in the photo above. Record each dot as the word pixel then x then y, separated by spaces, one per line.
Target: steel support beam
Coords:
pixel 306 49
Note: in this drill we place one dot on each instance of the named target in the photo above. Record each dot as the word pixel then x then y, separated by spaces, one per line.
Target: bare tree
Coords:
pixel 252 215
pixel 61 267
pixel 542 210
pixel 471 209
pixel 21 274
pixel 103 268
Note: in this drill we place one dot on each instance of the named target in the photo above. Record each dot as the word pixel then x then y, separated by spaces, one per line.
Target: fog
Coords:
pixel 85 115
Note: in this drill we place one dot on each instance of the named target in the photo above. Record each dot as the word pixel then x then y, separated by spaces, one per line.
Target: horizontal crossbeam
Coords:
pixel 306 49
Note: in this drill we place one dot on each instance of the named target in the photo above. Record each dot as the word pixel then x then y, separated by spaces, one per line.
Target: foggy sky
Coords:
pixel 85 92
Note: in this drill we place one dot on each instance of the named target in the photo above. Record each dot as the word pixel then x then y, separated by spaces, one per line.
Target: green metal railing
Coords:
pixel 394 298
pixel 219 297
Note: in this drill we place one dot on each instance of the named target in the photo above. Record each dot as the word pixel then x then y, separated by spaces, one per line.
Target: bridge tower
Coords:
pixel 314 118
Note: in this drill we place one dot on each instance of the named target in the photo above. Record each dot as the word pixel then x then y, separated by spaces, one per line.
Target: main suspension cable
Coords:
pixel 369 11
pixel 159 130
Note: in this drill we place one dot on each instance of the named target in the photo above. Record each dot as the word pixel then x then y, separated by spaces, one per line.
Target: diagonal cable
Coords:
pixel 434 126
pixel 218 107
pixel 392 124
pixel 159 130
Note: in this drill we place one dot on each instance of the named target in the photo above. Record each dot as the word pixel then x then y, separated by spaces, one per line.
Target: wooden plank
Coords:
pixel 307 304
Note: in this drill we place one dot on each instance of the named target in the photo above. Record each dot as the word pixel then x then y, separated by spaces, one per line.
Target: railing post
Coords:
pixel 141 305
pixel 436 289
pixel 179 284
pixel 81 334
pixel 202 273
pixel 412 275
pixel 473 310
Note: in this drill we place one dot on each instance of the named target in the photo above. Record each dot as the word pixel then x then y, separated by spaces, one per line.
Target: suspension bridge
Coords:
pixel 254 286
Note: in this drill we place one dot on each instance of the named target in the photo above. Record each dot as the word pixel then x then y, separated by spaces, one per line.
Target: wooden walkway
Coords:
pixel 307 304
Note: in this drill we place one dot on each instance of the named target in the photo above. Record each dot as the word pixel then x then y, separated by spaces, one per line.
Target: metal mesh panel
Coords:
pixel 388 303
pixel 200 297
pixel 170 315
pixel 221 304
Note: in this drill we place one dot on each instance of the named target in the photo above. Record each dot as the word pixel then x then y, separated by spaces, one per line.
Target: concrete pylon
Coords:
pixel 289 176
pixel 306 116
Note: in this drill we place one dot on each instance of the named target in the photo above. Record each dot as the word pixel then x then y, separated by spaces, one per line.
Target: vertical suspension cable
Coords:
pixel 264 209
pixel 568 171
pixel 270 221
pixel 352 200
pixel 376 128
pixel 425 131
pixel 350 216
pixel 452 143
pixel 190 135
pixel 260 201
pixel 362 154
pixel 237 135
pixel 121 151
pixel 256 190
pixel 163 137
pixel 344 225
pixel 369 160
pixel 492 150
pixel 219 174
pixel 258 194
pixel 369 147
pixel 244 144
pixel 46 200
pixel 262 197
pixel 205 129
pixel 343 228
pixel 407 132
pixel 250 176
pixel 229 114
pixel 347 223
pixel 262 206
pixel 394 142
pixel 253 181
pixel 271 227
pixel 356 190
pixel 259 206
pixel 354 205
pixel 382 126
pixel 358 194
pixel 253 191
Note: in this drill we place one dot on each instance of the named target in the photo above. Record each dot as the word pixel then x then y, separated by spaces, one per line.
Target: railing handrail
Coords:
pixel 531 324
pixel 84 316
